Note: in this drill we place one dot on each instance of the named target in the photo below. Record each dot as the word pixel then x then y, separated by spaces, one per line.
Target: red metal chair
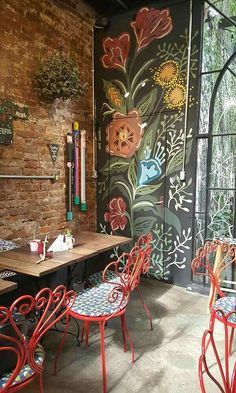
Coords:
pixel 46 309
pixel 212 261
pixel 144 242
pixel 219 369
pixel 109 300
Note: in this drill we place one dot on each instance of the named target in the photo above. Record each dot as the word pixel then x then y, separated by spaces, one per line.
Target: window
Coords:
pixel 216 140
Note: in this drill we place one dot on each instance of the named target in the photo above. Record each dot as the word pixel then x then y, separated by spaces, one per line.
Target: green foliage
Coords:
pixel 132 174
pixel 58 77
pixel 143 225
pixel 146 105
pixel 147 189
pixel 221 215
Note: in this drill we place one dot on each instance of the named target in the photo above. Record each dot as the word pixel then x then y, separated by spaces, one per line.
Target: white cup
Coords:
pixel 34 245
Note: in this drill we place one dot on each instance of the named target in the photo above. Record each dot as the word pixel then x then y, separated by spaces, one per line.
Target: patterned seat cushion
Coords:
pixel 26 371
pixel 96 278
pixel 227 304
pixel 94 302
pixel 6 245
pixel 7 274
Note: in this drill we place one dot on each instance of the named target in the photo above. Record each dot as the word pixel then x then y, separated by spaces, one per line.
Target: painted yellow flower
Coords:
pixel 175 96
pixel 167 74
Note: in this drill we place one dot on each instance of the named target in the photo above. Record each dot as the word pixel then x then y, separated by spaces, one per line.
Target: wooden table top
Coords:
pixel 87 245
pixel 7 286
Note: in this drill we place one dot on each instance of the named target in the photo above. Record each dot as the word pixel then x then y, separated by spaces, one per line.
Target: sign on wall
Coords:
pixel 20 111
pixel 6 131
pixel 53 149
pixel 8 111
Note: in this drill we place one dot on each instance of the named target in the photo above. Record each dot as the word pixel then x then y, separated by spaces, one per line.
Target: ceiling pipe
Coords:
pixel 99 23
pixel 94 135
pixel 53 178
pixel 186 111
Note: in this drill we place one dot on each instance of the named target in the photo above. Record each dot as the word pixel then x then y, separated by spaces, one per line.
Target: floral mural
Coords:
pixel 141 115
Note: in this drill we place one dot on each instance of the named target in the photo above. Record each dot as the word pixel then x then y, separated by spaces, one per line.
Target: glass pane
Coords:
pixel 228 7
pixel 232 66
pixel 207 85
pixel 201 175
pixel 223 165
pixel 219 34
pixel 224 116
pixel 221 214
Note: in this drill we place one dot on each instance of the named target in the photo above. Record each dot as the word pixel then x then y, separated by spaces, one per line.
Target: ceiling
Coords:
pixel 109 7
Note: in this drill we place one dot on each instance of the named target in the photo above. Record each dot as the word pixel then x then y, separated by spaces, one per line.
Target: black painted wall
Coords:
pixel 140 91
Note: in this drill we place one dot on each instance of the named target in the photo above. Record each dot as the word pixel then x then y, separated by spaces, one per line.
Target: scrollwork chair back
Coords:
pixel 46 309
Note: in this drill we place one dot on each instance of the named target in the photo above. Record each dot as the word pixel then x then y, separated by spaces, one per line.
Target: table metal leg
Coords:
pixel 56 329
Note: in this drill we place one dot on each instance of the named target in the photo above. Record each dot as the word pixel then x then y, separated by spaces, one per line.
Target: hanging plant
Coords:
pixel 58 77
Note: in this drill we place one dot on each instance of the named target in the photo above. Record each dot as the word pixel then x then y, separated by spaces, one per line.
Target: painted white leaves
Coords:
pixel 178 193
pixel 181 244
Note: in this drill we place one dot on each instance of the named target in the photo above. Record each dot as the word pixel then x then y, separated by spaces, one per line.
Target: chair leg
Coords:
pixel 129 339
pixel 123 331
pixel 41 383
pixel 82 333
pixel 145 308
pixel 87 327
pixel 62 342
pixel 102 328
pixel 231 340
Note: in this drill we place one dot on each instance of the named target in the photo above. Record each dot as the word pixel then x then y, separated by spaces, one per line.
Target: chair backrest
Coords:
pixel 213 260
pixel 215 363
pixel 46 309
pixel 128 268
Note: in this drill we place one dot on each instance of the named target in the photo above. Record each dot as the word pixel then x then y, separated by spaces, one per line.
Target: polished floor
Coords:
pixel 166 358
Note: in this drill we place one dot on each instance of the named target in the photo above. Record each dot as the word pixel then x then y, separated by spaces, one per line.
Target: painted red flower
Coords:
pixel 151 24
pixel 124 134
pixel 116 214
pixel 116 51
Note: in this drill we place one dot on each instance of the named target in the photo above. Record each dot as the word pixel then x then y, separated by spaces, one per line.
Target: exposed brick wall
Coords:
pixel 30 29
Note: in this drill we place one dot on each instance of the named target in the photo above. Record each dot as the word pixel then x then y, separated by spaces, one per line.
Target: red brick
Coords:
pixel 31 28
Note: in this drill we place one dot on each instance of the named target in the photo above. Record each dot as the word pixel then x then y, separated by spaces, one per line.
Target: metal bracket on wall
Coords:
pixel 53 178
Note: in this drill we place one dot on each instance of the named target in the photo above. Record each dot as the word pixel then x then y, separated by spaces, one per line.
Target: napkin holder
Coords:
pixel 58 245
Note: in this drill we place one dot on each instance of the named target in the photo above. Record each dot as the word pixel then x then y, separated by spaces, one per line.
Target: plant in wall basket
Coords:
pixel 58 77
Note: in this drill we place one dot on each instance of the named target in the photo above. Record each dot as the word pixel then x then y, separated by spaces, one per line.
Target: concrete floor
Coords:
pixel 166 358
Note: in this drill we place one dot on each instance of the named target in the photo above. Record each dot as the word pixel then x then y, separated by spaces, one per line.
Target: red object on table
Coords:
pixel 47 308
